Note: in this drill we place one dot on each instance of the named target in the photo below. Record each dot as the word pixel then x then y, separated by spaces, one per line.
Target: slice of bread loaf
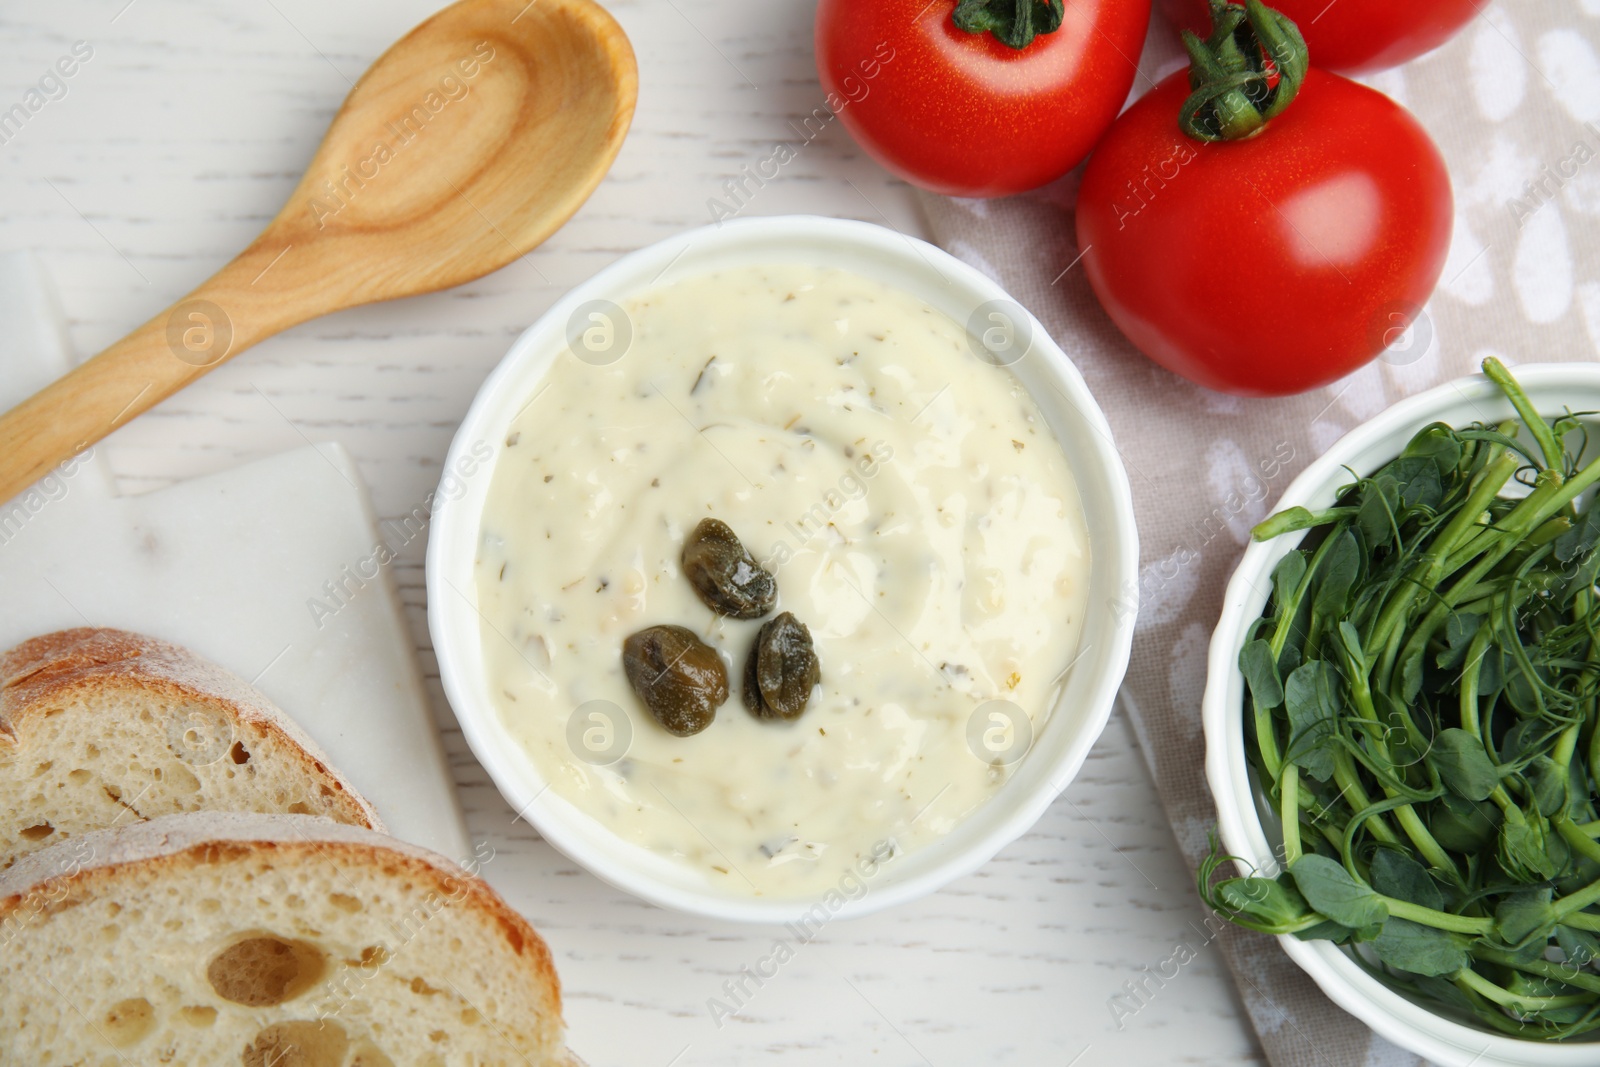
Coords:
pixel 266 941
pixel 103 727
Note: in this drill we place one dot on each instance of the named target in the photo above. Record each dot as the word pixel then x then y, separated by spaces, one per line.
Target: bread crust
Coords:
pixel 90 864
pixel 45 672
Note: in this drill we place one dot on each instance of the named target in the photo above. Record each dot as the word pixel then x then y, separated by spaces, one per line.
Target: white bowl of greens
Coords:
pixel 1417 627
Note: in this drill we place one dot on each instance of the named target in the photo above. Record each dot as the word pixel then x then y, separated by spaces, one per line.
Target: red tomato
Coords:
pixel 1354 36
pixel 1273 264
pixel 962 114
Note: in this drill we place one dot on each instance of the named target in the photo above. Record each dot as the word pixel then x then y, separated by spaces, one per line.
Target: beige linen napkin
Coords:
pixel 1514 103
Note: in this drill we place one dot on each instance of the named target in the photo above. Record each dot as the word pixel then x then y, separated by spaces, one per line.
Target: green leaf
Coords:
pixel 1313 700
pixel 1337 574
pixel 1530 952
pixel 1286 577
pixel 1582 948
pixel 1519 690
pixel 1420 484
pixel 1269 901
pixel 1290 661
pixel 1492 670
pixel 1411 677
pixel 1411 946
pixel 1459 630
pixel 1524 848
pixel 1438 443
pixel 1547 785
pixel 1526 740
pixel 1525 917
pixel 1446 993
pixel 1395 874
pixel 1329 889
pixel 1350 637
pixel 1404 749
pixel 1583 538
pixel 1463 764
pixel 1584 579
pixel 1378 512
pixel 1462 825
pixel 1261 674
pixel 1572 1013
pixel 1532 985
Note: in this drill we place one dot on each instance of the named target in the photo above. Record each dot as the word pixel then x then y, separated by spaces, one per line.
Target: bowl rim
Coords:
pixel 1117 557
pixel 1450 1043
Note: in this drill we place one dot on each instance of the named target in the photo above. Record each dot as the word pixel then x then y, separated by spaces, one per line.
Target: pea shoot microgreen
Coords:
pixel 1421 710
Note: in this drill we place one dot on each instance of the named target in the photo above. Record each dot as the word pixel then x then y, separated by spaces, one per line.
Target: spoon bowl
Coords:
pixel 474 137
pixel 466 144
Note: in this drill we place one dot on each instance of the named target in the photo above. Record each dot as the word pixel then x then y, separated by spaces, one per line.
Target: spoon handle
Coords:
pixel 139 371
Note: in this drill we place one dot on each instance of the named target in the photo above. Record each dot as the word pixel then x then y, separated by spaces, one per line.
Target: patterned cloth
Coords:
pixel 1514 104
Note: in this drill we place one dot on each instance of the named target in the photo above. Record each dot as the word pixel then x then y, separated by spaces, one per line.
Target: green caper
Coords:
pixel 782 669
pixel 680 678
pixel 725 574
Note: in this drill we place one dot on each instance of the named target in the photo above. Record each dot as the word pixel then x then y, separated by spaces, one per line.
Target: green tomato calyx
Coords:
pixel 1014 23
pixel 1244 74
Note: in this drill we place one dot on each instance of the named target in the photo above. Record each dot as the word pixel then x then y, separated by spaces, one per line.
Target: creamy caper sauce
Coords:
pixel 915 509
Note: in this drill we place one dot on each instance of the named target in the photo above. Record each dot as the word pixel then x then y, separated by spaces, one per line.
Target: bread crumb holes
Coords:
pixel 264 970
pixel 128 1021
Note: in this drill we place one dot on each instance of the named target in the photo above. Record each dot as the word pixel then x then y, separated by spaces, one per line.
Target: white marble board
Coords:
pixel 236 566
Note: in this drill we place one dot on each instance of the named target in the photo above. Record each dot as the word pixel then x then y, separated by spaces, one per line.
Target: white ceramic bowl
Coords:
pixel 946 284
pixel 1249 829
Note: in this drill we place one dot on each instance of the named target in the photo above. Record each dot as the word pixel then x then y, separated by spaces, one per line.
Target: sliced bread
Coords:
pixel 266 941
pixel 104 727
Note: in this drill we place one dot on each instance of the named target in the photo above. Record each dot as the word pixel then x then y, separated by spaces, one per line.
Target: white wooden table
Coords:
pixel 176 142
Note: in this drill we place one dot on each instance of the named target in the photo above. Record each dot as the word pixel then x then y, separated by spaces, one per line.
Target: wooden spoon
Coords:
pixel 465 145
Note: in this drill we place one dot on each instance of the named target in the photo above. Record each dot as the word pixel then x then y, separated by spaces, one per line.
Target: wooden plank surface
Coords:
pixel 179 138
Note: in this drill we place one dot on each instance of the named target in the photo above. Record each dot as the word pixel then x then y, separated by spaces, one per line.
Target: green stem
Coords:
pixel 1471 979
pixel 1446 603
pixel 1439 920
pixel 1470 678
pixel 1431 569
pixel 1293 520
pixel 1471 718
pixel 1563 973
pixel 1563 495
pixel 1513 526
pixel 1431 850
pixel 1266 739
pixel 1573 903
pixel 1290 811
pixel 1566 744
pixel 1576 838
pixel 1496 372
pixel 1289 612
pixel 1349 782
pixel 1346 843
pixel 1594 748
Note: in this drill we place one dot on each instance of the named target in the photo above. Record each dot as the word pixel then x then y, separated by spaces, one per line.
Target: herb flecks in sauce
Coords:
pixel 846 521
